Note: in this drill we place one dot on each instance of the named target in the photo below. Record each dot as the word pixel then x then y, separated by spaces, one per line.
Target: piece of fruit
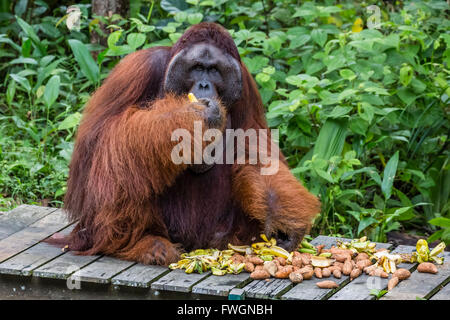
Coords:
pixel 192 97
pixel 296 276
pixel 402 274
pixel 327 284
pixel 427 267
pixel 392 283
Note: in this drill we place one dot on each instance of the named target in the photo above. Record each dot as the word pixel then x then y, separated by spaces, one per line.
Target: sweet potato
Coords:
pixel 427 267
pixel 338 265
pixel 271 267
pixel 402 274
pixel 296 277
pixel 342 257
pixel 320 248
pixel 361 264
pixel 379 272
pixel 318 272
pixel 297 261
pixel 306 258
pixel 347 268
pixel 327 284
pixel 369 269
pixel 281 260
pixel 283 272
pixel 326 272
pixel 362 256
pixel 355 273
pixel 307 272
pixel 337 273
pixel 259 275
pixel 255 260
pixel 237 258
pixel 392 283
pixel 249 267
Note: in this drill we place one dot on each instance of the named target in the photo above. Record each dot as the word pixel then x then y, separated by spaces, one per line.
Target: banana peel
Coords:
pixel 321 262
pixel 359 245
pixel 388 261
pixel 423 253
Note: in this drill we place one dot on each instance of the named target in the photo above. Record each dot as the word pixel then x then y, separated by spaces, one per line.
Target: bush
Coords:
pixel 362 112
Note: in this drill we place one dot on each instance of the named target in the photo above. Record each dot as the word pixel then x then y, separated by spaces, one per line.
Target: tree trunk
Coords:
pixel 107 8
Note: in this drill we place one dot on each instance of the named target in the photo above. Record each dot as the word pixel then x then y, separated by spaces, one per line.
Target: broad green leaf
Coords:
pixel 194 18
pixel 359 126
pixel 135 40
pixel 29 31
pixel 87 64
pixel 299 41
pixel 338 112
pixel 319 36
pixel 22 81
pixel 70 122
pixel 347 74
pixel 440 222
pixel 364 223
pixel 330 141
pixel 51 91
pixel 389 175
pixel 406 74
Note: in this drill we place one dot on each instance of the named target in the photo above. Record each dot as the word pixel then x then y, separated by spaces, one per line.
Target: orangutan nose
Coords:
pixel 204 89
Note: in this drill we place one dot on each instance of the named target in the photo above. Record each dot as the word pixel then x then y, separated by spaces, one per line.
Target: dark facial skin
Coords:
pixel 206 71
pixel 211 75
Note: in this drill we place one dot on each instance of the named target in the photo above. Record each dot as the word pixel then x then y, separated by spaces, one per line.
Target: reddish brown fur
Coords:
pixel 132 202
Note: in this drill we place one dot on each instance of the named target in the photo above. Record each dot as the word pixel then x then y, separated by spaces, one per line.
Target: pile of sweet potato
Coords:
pixel 333 262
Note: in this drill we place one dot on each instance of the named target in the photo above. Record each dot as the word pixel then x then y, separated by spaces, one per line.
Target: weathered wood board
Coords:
pixel 26 261
pixel 178 280
pixel 360 288
pixel 443 293
pixel 22 252
pixel 32 234
pixel 139 275
pixel 421 285
pixel 267 289
pixel 63 266
pixel 21 217
pixel 102 270
pixel 221 285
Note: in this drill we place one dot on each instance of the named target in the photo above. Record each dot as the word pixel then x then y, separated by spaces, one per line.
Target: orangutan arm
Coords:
pixel 278 201
pixel 133 159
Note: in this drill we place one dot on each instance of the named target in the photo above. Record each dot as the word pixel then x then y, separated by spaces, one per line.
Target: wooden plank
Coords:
pixel 443 293
pixel 359 288
pixel 178 280
pixel 63 266
pixel 139 275
pixel 39 230
pixel 221 285
pixel 421 285
pixel 102 270
pixel 267 289
pixel 25 262
pixel 21 217
pixel 308 290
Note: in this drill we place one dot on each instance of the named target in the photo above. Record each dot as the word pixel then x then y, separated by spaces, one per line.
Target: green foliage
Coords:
pixel 363 116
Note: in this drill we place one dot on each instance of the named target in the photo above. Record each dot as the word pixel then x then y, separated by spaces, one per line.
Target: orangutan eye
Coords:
pixel 198 67
pixel 212 70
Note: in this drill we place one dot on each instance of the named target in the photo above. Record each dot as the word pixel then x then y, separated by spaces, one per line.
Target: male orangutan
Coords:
pixel 133 202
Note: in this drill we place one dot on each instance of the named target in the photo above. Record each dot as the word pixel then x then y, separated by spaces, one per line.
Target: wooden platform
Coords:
pixel 30 268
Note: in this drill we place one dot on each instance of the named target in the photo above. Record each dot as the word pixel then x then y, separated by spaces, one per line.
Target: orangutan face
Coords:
pixel 207 72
